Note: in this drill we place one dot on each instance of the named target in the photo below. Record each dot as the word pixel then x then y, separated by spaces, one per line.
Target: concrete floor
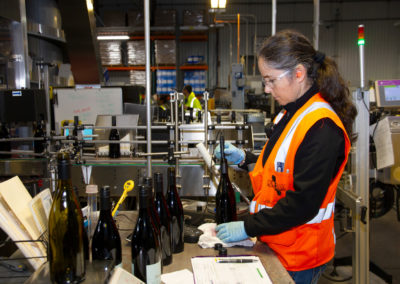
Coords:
pixel 384 250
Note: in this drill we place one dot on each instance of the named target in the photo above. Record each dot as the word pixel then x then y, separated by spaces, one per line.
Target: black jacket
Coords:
pixel 317 161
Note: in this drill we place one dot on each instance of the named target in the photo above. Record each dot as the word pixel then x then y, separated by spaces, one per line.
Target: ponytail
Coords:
pixel 287 48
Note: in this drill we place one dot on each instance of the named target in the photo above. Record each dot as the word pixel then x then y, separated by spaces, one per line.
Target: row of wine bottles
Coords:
pixel 157 235
pixel 38 145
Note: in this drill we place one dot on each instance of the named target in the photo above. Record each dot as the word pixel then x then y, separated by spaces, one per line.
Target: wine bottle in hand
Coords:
pixel 225 203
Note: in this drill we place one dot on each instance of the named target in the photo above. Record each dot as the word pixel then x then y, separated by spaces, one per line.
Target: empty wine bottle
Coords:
pixel 175 208
pixel 66 247
pixel 225 203
pixel 165 219
pixel 38 145
pixel 146 252
pixel 114 148
pixel 106 242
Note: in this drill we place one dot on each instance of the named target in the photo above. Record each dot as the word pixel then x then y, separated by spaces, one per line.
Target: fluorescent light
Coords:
pixel 214 4
pixel 222 4
pixel 89 5
pixel 113 37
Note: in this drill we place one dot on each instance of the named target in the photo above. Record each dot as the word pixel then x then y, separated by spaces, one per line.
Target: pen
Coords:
pixel 236 260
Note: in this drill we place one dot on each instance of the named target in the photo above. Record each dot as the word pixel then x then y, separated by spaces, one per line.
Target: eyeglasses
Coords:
pixel 270 82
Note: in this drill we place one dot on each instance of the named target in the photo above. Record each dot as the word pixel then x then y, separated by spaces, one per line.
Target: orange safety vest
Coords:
pixel 312 244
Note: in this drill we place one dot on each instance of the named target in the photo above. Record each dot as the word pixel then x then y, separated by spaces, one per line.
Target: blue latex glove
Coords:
pixel 231 232
pixel 232 154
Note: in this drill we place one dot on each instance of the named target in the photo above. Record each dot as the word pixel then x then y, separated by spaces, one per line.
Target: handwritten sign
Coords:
pixel 87 104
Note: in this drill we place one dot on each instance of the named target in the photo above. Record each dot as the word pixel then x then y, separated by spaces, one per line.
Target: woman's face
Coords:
pixel 280 83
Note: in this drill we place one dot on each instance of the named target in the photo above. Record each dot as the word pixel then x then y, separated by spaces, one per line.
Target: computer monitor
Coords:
pixel 387 93
pixel 141 110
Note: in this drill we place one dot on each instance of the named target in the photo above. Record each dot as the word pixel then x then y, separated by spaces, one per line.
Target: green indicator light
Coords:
pixel 361 41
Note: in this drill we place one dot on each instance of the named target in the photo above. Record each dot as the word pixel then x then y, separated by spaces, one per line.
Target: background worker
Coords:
pixel 191 102
pixel 295 177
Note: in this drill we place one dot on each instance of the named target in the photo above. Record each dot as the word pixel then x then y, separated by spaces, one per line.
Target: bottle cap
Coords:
pixel 148 181
pixel 92 189
pixel 104 191
pixel 217 246
pixel 222 252
pixel 158 177
pixel 143 192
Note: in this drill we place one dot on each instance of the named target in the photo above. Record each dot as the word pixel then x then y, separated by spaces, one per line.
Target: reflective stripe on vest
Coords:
pixel 323 214
pixel 279 116
pixel 252 207
pixel 280 158
pixel 192 102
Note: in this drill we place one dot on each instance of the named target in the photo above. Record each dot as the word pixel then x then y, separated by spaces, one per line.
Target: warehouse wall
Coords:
pixel 338 32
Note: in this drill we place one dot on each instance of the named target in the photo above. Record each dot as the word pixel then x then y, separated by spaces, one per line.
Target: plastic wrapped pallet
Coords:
pixel 166 81
pixel 164 18
pixel 165 52
pixel 114 18
pixel 137 77
pixel 197 79
pixel 135 18
pixel 110 52
pixel 136 52
pixel 193 17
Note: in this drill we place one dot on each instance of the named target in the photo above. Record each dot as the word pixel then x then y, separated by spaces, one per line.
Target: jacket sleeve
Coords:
pixel 317 161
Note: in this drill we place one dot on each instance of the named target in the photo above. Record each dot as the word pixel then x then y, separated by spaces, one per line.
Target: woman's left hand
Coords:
pixel 231 232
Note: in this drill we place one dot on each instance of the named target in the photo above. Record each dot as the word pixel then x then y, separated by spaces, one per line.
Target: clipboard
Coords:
pixel 244 269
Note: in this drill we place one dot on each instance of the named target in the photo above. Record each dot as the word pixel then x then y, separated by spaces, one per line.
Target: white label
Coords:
pixel 16 93
pixel 153 273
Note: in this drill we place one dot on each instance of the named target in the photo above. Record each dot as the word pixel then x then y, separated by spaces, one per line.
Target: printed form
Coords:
pixel 229 270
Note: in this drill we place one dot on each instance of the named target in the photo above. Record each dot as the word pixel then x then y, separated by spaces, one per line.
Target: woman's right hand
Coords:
pixel 233 154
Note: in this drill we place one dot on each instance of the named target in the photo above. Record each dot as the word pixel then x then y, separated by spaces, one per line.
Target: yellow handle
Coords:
pixel 128 186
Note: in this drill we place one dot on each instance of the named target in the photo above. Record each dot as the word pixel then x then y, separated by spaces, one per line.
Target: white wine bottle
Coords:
pixel 66 248
pixel 146 252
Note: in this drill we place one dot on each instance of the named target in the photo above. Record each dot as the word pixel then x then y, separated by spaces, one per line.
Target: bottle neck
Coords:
pixel 64 173
pixel 158 187
pixel 224 166
pixel 171 181
pixel 143 202
pixel 105 205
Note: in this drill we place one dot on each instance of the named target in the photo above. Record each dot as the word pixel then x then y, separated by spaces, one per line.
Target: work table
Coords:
pixel 125 223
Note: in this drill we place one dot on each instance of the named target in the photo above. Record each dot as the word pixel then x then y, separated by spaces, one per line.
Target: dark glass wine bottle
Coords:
pixel 146 252
pixel 106 242
pixel 114 148
pixel 66 248
pixel 38 145
pixel 148 182
pixel 165 219
pixel 5 146
pixel 175 208
pixel 225 203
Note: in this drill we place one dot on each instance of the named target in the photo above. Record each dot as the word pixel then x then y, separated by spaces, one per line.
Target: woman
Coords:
pixel 295 177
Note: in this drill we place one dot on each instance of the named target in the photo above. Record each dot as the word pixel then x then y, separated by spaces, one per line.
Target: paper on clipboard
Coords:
pixel 208 270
